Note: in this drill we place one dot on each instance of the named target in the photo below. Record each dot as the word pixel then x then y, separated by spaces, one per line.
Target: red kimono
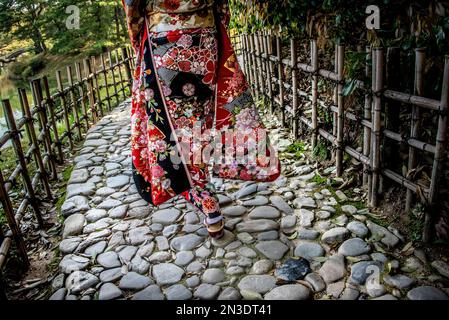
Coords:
pixel 191 104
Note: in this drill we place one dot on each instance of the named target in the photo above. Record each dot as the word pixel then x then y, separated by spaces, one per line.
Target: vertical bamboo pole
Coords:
pixel 335 101
pixel 43 175
pixel 373 89
pixel 440 148
pixel 246 56
pixel 64 108
pixel 314 64
pixel 74 102
pixel 118 63
pixel 112 69
pixel 280 78
pixel 129 77
pixel 106 85
pixel 378 86
pixel 30 194
pixel 90 90
pixel 268 72
pixel 37 96
pixel 259 48
pixel 391 121
pixel 79 77
pixel 255 65
pixel 95 73
pixel 49 103
pixel 294 62
pixel 420 56
pixel 12 223
pixel 340 114
pixel 367 117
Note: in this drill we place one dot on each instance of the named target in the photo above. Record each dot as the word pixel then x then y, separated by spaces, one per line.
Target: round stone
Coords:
pixel 193 281
pixel 72 262
pixel 306 217
pixel 257 201
pixel 293 269
pixel 213 276
pixel 233 211
pixel 333 269
pixel 247 252
pixel 354 247
pixel 206 291
pixel 264 212
pixel 426 293
pixel 109 291
pixel 288 222
pixel 139 212
pixel 178 292
pixel 152 292
pixel 134 281
pixel 258 225
pixel 117 181
pixel 229 293
pixel 95 249
pixel 268 235
pixel 335 235
pixel 184 258
pixel 165 216
pixel 280 203
pixel 257 283
pixel 79 281
pixel 288 292
pixel 69 245
pixel 261 266
pixel 186 242
pixel 309 250
pixel 358 228
pixel 109 259
pixel 272 249
pixel 73 225
pixel 399 281
pixel 167 273
pixel 111 275
pixel 349 209
pixel 95 214
pixel 308 234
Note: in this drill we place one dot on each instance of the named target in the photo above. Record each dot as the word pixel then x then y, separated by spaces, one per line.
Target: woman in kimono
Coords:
pixel 191 106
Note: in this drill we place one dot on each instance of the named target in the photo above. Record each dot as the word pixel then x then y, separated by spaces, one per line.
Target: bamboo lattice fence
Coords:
pixel 48 130
pixel 266 66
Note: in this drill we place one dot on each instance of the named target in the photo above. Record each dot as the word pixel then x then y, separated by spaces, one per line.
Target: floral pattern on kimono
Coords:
pixel 186 77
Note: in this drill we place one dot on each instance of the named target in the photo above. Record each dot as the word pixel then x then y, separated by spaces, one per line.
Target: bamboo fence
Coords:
pixel 266 69
pixel 46 134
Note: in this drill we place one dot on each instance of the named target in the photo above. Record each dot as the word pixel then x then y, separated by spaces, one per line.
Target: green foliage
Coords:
pixel 321 151
pixel 407 24
pixel 43 23
pixel 319 179
pixel 34 65
pixel 416 222
pixel 296 148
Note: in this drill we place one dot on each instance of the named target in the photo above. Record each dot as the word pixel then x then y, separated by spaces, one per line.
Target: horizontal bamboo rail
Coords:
pixel 295 103
pixel 45 135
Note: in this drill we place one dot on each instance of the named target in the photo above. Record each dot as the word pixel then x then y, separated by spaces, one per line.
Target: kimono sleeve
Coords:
pixel 135 19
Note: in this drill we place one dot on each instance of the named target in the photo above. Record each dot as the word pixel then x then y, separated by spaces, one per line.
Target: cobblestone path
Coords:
pixel 291 239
